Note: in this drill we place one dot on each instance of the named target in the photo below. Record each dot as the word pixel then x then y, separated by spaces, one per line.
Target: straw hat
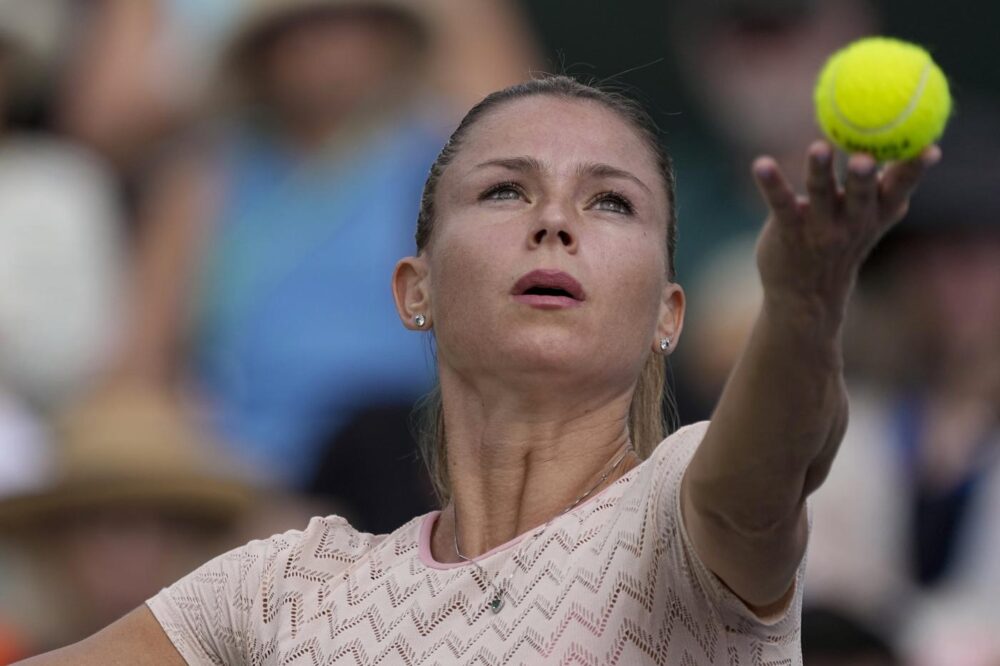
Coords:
pixel 265 17
pixel 130 449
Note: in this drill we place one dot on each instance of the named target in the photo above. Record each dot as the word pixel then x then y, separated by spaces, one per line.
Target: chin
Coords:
pixel 550 353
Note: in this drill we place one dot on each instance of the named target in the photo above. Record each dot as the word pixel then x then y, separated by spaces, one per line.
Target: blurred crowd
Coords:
pixel 201 204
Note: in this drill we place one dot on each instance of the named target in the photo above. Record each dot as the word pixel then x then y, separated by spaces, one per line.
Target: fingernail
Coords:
pixel 864 169
pixel 822 156
pixel 931 156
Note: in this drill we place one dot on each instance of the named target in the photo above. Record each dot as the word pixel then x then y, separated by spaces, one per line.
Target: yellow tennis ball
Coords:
pixel 882 96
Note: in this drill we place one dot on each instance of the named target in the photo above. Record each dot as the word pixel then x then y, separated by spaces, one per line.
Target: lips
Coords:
pixel 549 283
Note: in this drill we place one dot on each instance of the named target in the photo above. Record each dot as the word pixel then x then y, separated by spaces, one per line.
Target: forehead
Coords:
pixel 563 133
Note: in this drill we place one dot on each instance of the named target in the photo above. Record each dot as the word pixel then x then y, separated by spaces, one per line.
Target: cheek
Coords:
pixel 634 273
pixel 468 275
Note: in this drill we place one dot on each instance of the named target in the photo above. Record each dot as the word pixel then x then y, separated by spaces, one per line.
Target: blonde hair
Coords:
pixel 646 421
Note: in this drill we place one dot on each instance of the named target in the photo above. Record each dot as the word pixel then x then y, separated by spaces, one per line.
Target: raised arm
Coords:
pixel 173 223
pixel 783 412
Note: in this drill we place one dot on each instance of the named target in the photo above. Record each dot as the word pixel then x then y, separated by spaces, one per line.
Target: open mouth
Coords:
pixel 549 283
pixel 548 288
pixel 548 291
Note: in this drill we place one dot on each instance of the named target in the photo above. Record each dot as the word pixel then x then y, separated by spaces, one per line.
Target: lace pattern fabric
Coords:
pixel 615 581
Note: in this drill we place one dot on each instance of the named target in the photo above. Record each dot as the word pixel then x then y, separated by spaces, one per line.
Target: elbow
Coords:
pixel 769 518
pixel 819 468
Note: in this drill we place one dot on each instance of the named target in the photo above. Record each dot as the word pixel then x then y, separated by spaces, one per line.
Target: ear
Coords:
pixel 411 291
pixel 671 319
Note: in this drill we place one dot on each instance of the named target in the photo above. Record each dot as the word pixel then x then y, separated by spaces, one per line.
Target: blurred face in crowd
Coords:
pixel 325 66
pixel 755 73
pixel 953 284
pixel 549 183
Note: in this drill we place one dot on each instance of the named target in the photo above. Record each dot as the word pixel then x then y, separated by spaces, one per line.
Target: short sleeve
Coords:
pixel 777 632
pixel 207 614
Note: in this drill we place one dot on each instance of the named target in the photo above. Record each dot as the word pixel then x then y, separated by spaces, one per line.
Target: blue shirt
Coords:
pixel 296 325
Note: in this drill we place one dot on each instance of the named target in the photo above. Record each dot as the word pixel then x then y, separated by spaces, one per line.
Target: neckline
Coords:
pixel 430 519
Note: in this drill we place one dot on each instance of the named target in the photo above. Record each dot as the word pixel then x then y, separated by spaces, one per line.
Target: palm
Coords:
pixel 811 247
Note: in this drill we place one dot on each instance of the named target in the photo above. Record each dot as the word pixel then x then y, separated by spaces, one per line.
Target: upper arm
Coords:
pixel 759 567
pixel 173 220
pixel 466 63
pixel 692 565
pixel 772 438
pixel 135 639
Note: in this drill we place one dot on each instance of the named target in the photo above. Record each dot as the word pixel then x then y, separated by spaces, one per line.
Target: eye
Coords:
pixel 613 202
pixel 507 191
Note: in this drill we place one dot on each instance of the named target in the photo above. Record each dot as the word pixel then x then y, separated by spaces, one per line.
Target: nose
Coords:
pixel 554 225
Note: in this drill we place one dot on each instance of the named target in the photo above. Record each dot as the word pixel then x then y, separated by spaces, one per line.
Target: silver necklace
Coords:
pixel 496 602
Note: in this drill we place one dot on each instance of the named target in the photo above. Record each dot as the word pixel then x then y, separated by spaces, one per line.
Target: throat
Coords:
pixel 463 532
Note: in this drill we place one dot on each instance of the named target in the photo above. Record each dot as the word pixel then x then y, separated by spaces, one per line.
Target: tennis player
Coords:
pixel 571 531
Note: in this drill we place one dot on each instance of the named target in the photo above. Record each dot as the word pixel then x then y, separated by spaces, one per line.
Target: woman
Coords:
pixel 544 267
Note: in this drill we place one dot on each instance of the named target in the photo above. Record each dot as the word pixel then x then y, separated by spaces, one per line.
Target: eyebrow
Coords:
pixel 595 169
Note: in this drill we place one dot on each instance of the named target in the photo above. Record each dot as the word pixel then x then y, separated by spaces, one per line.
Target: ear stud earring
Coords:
pixel 420 320
pixel 664 344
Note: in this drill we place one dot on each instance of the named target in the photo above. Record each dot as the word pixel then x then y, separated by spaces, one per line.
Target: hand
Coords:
pixel 811 247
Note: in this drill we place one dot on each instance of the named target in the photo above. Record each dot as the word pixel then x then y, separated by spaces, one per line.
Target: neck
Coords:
pixel 310 133
pixel 518 458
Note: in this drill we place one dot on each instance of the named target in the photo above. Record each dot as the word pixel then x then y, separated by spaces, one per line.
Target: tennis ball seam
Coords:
pixel 895 122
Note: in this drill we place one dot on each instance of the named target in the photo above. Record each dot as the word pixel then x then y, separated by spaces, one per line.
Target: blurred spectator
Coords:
pixel 830 639
pixel 905 533
pixel 32 33
pixel 134 500
pixel 751 66
pixel 374 447
pixel 60 268
pixel 60 256
pixel 139 70
pixel 25 463
pixel 136 71
pixel 960 630
pixel 723 307
pixel 263 280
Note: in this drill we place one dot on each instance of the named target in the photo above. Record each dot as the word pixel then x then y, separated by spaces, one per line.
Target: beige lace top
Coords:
pixel 615 581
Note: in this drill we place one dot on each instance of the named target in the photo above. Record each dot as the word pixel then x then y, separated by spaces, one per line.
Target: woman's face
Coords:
pixel 327 65
pixel 544 183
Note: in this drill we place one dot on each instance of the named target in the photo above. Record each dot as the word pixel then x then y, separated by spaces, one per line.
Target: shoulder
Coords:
pixel 775 630
pixel 319 552
pixel 662 470
pixel 676 450
pixel 223 610
pixel 329 538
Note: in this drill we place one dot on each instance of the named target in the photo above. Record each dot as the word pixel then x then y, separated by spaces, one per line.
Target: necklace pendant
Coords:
pixel 496 604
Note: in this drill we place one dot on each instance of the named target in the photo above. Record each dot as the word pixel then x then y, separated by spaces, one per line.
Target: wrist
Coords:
pixel 817 317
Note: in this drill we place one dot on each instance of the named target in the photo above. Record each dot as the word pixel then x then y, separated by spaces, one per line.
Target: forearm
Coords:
pixel 173 223
pixel 783 412
pixel 136 639
pixel 770 443
pixel 779 419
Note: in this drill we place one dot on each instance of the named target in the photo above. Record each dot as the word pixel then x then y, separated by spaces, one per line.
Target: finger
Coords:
pixel 861 188
pixel 774 187
pixel 901 179
pixel 821 184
